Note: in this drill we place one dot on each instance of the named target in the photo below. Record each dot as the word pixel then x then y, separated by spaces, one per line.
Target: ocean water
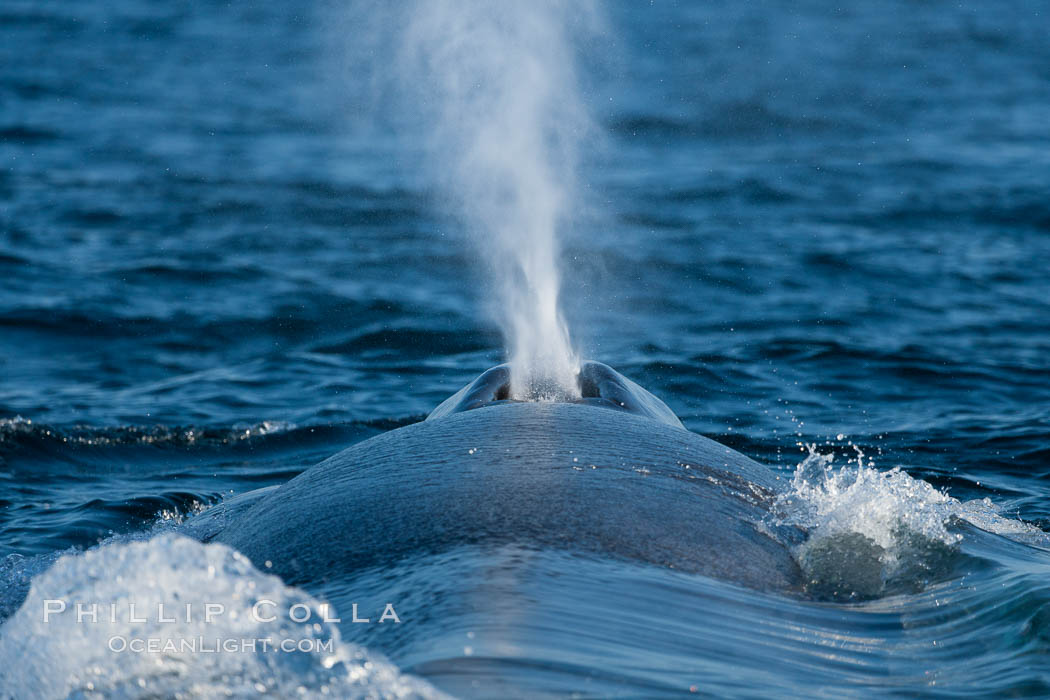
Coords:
pixel 821 234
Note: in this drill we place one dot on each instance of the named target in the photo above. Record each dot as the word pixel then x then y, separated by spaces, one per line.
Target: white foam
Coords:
pixel 62 656
pixel 986 515
pixel 868 528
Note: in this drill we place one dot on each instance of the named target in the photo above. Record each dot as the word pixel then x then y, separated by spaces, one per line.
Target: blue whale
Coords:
pixel 481 522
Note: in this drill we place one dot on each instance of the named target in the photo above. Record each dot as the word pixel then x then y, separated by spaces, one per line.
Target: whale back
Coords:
pixel 524 544
pixel 571 477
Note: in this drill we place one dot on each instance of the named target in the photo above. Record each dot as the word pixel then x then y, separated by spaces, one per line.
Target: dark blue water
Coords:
pixel 809 224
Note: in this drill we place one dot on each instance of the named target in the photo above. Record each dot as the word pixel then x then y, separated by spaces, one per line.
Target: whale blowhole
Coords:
pixel 598 385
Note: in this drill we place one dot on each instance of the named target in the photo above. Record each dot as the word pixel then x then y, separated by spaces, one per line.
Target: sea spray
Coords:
pixel 872 532
pixel 498 90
